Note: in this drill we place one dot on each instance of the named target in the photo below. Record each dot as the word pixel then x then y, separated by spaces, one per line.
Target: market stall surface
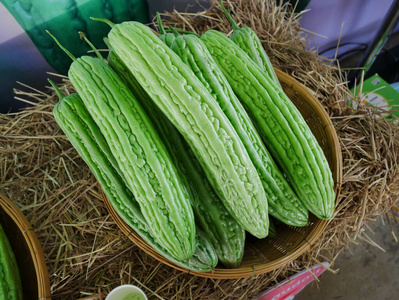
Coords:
pixel 365 271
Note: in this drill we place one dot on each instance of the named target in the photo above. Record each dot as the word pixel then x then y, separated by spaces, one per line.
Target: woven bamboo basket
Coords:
pixel 268 254
pixel 27 249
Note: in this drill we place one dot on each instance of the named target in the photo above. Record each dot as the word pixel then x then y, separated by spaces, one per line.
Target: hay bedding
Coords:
pixel 85 252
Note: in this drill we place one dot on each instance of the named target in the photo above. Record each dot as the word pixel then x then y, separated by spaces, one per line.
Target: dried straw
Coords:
pixel 85 252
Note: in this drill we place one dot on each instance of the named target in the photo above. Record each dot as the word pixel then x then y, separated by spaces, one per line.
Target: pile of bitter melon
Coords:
pixel 193 141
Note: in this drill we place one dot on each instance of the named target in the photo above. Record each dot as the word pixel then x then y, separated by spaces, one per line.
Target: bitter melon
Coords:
pixel 284 130
pixel 85 136
pixel 189 106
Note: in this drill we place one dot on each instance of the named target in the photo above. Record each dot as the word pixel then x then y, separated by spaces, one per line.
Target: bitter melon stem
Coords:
pixel 83 36
pixel 110 23
pixel 160 26
pixel 229 17
pixel 56 89
pixel 174 31
pixel 62 47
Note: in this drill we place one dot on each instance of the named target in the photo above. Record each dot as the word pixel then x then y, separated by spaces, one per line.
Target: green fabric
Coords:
pixel 64 18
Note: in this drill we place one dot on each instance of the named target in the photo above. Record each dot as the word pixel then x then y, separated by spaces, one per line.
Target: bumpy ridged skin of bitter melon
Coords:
pixel 226 235
pixel 249 41
pixel 85 136
pixel 167 38
pixel 140 154
pixel 283 203
pixel 10 280
pixel 284 130
pixel 179 94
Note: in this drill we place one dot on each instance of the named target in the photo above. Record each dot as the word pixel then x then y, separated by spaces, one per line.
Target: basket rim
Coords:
pixel 31 239
pixel 302 247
